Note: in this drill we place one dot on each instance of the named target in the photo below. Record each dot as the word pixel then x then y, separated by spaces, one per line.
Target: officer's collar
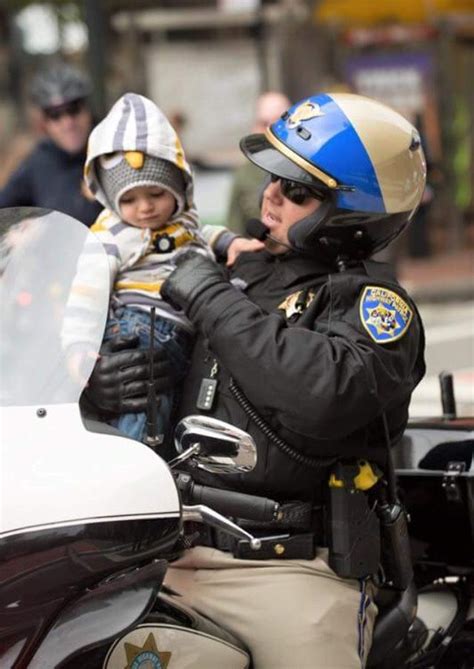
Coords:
pixel 384 271
pixel 297 265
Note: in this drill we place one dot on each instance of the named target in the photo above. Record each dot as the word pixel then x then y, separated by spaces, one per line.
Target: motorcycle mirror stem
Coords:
pixel 185 455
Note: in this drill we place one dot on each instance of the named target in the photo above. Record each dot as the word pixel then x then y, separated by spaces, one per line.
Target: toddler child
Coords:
pixel 137 169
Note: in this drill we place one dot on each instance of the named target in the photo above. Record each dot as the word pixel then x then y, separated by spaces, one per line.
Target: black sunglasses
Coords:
pixel 296 192
pixel 69 109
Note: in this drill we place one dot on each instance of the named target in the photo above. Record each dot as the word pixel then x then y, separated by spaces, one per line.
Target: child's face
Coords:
pixel 147 206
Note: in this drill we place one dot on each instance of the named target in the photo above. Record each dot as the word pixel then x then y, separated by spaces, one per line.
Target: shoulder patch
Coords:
pixel 384 314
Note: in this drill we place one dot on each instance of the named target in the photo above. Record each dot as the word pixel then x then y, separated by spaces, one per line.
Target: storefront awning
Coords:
pixel 369 13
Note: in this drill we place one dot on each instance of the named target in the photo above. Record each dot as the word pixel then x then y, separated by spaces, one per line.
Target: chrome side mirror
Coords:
pixel 215 446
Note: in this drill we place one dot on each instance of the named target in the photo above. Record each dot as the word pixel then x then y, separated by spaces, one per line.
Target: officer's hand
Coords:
pixel 119 382
pixel 194 274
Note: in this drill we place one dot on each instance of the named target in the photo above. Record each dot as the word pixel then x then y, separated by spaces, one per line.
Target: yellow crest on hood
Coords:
pixel 135 159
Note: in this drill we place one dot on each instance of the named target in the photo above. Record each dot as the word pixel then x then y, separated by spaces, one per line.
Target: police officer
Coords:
pixel 51 176
pixel 314 348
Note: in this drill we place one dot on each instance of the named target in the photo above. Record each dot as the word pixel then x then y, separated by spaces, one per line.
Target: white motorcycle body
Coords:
pixel 80 511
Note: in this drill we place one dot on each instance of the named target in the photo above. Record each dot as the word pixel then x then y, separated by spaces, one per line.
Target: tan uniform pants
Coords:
pixel 291 614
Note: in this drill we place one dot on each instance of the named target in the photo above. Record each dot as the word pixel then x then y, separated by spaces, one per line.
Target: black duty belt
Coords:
pixel 284 539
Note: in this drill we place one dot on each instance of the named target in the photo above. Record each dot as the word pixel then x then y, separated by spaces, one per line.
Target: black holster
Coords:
pixel 353 532
pixel 364 536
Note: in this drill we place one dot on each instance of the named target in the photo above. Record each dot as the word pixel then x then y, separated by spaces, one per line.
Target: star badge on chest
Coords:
pixel 295 304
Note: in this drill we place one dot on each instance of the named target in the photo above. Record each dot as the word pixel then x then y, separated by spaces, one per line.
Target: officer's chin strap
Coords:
pixel 305 236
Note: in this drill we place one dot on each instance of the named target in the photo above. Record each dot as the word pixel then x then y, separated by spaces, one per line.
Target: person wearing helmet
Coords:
pixel 51 176
pixel 314 350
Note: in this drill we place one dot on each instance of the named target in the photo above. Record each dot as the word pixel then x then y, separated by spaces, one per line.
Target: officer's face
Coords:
pixel 68 125
pixel 278 213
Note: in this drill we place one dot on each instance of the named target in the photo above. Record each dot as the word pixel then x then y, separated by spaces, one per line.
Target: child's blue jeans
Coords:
pixel 173 341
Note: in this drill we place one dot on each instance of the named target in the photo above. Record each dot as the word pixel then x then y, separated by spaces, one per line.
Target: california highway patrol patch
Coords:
pixel 384 314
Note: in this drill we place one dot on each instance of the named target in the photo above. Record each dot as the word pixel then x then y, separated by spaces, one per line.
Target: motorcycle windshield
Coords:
pixel 54 294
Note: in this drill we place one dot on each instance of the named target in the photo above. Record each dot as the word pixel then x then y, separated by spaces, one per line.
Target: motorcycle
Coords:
pixel 90 519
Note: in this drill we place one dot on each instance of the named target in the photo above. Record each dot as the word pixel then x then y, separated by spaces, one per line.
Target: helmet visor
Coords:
pixel 259 151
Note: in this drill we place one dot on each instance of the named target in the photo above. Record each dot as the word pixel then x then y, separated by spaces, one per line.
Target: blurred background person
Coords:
pixel 244 197
pixel 51 175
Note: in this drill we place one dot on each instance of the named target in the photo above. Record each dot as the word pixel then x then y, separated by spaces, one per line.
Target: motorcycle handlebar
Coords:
pixel 236 504
pixel 228 502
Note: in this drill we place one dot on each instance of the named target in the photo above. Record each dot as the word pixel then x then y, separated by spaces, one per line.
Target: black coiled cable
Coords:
pixel 264 427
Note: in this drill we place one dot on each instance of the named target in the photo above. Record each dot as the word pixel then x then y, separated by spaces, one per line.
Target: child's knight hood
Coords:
pixel 135 124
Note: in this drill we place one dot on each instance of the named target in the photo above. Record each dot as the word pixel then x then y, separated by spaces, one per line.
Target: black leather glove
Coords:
pixel 119 381
pixel 194 274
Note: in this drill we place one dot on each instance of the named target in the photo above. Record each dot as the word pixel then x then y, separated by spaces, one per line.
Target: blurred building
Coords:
pixel 209 60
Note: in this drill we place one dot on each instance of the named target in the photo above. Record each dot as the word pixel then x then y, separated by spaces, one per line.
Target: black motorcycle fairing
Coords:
pixel 100 615
pixel 42 571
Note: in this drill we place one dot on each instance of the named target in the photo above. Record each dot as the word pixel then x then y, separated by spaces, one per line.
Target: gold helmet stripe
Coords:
pixel 295 158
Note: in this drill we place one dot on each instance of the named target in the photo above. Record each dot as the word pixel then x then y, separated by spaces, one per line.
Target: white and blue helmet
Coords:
pixel 364 158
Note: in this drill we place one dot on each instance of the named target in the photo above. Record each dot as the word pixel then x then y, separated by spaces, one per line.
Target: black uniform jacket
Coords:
pixel 50 178
pixel 320 380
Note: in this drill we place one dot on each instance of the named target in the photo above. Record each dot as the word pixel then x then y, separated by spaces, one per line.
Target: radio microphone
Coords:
pixel 258 230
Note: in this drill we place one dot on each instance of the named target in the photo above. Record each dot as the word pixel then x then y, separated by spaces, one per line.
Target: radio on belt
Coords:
pixel 207 393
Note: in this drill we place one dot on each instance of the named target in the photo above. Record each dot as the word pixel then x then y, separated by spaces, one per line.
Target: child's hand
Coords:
pixel 240 245
pixel 80 362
